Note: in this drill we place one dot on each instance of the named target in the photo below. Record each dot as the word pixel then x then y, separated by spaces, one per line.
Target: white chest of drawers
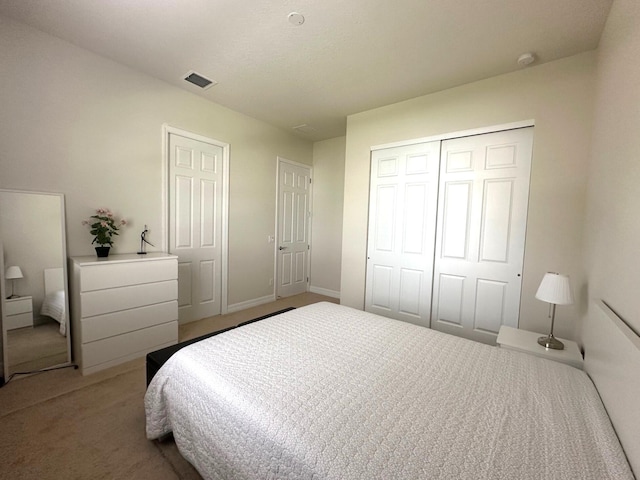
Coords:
pixel 122 307
pixel 19 312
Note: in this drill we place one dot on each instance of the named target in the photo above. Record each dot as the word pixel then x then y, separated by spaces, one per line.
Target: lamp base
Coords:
pixel 551 342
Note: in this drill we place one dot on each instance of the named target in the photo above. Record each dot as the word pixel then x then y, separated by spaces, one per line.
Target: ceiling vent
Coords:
pixel 199 81
pixel 304 128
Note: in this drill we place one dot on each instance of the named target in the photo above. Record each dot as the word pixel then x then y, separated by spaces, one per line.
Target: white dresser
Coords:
pixel 122 307
pixel 19 312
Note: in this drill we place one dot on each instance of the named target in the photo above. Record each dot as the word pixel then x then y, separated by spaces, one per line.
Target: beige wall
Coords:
pixel 79 124
pixel 559 97
pixel 612 230
pixel 328 194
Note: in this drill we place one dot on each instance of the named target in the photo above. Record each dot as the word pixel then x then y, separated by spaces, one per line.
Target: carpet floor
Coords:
pixel 61 425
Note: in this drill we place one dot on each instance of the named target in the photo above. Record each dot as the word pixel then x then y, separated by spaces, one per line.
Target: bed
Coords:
pixel 330 392
pixel 54 303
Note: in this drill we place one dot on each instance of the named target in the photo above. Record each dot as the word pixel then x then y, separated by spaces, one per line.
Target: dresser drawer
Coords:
pixel 16 306
pixel 130 345
pixel 20 320
pixel 116 323
pixel 125 298
pixel 112 275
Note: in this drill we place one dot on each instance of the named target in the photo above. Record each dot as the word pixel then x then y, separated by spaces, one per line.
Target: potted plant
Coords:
pixel 103 226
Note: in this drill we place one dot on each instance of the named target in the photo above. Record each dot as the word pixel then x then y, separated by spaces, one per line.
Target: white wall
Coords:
pixel 328 194
pixel 612 229
pixel 79 124
pixel 559 97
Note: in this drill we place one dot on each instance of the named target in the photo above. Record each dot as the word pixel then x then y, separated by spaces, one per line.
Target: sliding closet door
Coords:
pixel 402 219
pixel 482 214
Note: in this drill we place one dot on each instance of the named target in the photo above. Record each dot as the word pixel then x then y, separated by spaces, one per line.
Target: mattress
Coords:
pixel 330 392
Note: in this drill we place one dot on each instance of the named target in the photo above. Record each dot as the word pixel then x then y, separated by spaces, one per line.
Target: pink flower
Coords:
pixel 123 222
pixel 104 224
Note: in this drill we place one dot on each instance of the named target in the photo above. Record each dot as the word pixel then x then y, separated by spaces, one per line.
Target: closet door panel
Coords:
pixel 482 216
pixel 456 219
pixel 496 226
pixel 489 305
pixel 410 288
pixel 450 298
pixel 381 286
pixel 402 210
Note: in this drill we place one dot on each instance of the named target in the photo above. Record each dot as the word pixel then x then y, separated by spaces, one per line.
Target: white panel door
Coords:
pixel 482 216
pixel 294 211
pixel 195 224
pixel 402 219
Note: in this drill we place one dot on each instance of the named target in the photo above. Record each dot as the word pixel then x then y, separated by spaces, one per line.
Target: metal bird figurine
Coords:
pixel 144 241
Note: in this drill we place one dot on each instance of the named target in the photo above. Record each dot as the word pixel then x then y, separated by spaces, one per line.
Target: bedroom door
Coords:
pixel 482 218
pixel 402 220
pixel 293 229
pixel 196 185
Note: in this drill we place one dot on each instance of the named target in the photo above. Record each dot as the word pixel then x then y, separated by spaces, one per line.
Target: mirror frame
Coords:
pixel 3 320
pixel 63 224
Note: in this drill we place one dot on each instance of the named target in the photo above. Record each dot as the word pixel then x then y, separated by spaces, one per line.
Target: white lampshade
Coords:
pixel 13 272
pixel 556 289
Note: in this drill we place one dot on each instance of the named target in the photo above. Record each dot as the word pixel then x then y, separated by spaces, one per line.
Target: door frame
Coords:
pixel 224 248
pixel 458 134
pixel 440 137
pixel 276 270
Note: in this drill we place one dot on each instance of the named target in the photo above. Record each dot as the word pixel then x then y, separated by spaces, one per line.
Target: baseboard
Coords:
pixel 236 307
pixel 325 291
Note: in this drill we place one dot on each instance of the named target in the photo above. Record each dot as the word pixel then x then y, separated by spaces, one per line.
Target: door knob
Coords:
pixel 282 248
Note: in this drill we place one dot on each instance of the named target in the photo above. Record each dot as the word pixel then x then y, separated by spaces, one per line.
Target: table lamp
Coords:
pixel 556 290
pixel 13 273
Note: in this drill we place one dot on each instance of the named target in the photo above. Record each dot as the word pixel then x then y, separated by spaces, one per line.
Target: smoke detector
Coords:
pixel 526 59
pixel 296 18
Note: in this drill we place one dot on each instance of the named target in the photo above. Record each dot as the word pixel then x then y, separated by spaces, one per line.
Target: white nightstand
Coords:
pixel 19 312
pixel 527 342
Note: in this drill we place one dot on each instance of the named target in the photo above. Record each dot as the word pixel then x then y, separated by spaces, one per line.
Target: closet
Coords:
pixel 447 223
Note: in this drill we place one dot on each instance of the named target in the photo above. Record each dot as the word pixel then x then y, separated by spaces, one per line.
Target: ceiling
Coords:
pixel 348 56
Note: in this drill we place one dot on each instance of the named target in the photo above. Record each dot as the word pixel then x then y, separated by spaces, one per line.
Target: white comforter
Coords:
pixel 54 306
pixel 328 392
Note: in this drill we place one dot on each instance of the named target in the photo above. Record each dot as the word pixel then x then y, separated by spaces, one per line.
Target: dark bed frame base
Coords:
pixel 156 359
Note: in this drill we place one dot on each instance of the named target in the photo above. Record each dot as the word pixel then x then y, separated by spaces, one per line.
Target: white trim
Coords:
pixel 251 303
pixel 325 291
pixel 3 320
pixel 459 134
pixel 166 131
pixel 280 160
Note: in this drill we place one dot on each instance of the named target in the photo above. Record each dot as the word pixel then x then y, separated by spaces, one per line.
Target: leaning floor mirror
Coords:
pixel 35 305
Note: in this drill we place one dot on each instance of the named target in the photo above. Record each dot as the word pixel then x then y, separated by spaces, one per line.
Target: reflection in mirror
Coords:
pixel 32 229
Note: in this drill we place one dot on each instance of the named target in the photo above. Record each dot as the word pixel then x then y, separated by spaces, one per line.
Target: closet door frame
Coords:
pixel 457 134
pixel 435 138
